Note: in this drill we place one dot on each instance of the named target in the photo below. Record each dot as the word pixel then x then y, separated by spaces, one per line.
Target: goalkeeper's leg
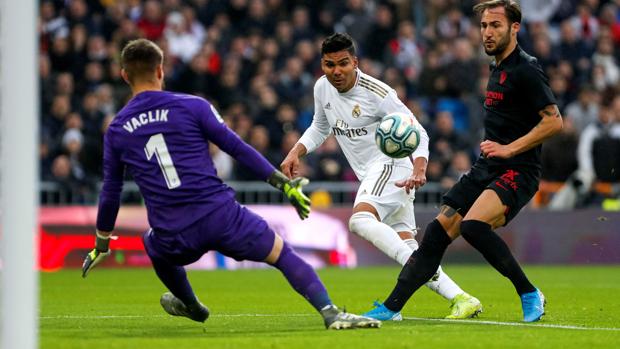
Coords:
pixel 306 282
pixel 299 274
pixel 181 301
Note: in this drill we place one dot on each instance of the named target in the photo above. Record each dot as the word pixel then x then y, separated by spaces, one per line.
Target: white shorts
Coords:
pixel 393 204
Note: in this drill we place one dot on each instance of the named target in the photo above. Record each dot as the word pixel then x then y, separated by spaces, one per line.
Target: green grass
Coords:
pixel 120 309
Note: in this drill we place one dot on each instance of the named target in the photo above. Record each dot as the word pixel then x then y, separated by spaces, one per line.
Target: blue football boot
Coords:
pixel 533 304
pixel 380 312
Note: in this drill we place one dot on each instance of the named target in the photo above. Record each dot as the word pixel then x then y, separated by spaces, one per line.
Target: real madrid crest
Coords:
pixel 357 111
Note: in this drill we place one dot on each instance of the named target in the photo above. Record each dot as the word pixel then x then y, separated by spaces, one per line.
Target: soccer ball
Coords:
pixel 397 135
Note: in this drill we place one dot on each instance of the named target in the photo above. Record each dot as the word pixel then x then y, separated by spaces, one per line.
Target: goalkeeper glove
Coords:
pixel 293 191
pixel 98 254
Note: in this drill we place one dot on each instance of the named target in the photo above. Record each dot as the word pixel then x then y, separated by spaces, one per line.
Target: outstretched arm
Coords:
pixel 290 164
pixel 109 203
pixel 550 124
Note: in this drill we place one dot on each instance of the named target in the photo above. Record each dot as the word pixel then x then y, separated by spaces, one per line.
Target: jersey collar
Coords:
pixel 510 60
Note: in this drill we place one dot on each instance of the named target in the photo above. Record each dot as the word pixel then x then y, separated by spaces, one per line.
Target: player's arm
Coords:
pixel 550 124
pixel 215 130
pixel 312 138
pixel 109 204
pixel 534 85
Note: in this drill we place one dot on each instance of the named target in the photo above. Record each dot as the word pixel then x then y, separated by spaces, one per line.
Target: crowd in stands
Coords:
pixel 257 61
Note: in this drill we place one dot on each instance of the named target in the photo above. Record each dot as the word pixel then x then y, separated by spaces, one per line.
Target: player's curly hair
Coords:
pixel 140 59
pixel 513 9
pixel 338 42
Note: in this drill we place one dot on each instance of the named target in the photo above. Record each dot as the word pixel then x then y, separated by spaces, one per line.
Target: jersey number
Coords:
pixel 157 146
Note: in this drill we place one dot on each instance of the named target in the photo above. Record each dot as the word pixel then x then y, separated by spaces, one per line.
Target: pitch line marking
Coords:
pixel 468 322
pixel 521 324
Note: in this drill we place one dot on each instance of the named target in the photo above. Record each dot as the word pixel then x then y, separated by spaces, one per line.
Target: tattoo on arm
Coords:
pixel 550 111
pixel 447 211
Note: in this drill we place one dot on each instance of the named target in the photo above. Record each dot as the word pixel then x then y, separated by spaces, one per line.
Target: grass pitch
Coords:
pixel 258 309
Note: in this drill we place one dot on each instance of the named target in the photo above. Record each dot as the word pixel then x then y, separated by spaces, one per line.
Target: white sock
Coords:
pixel 443 285
pixel 440 283
pixel 366 225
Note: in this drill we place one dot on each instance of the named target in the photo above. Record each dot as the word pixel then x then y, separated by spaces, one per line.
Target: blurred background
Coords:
pixel 257 61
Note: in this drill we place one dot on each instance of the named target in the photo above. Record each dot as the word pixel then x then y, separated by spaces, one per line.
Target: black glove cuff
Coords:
pixel 277 180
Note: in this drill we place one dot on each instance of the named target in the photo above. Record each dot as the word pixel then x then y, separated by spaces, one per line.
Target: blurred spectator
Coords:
pixel 302 30
pixel 357 20
pixel 604 57
pixel 543 51
pixel 405 52
pixel 571 48
pixel 70 188
pixel 182 43
pixel 259 140
pixel 453 24
pixel 459 165
pixel 381 32
pixel 559 155
pixel 584 110
pixel 55 121
pixel 445 141
pixel 51 25
pixel 293 81
pixel 329 164
pixel 60 55
pixel 433 81
pixel 257 61
pixel 462 71
pixel 222 161
pixel 539 10
pixel 585 23
pixel 151 22
pixel 599 148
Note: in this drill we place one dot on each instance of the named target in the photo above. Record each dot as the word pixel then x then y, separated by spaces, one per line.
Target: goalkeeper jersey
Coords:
pixel 161 139
pixel 352 117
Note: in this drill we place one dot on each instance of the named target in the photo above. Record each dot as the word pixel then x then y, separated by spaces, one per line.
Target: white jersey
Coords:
pixel 353 117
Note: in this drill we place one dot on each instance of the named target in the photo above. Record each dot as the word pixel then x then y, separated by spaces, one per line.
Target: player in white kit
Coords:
pixel 350 105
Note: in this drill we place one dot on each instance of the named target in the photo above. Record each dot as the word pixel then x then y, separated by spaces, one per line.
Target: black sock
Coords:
pixel 420 267
pixel 496 252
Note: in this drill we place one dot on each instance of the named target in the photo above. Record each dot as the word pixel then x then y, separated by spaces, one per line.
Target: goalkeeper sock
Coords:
pixel 175 279
pixel 172 276
pixel 496 252
pixel 302 278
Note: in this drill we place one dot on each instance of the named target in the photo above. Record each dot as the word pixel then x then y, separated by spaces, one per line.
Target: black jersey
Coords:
pixel 517 90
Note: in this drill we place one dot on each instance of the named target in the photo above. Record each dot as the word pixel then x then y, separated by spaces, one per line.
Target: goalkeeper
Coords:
pixel 162 139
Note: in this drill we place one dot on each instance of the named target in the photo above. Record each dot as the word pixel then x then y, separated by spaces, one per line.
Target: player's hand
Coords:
pixel 290 165
pixel 492 149
pixel 97 254
pixel 415 181
pixel 299 200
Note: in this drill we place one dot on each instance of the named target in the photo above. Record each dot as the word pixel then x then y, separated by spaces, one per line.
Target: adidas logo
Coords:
pixel 328 106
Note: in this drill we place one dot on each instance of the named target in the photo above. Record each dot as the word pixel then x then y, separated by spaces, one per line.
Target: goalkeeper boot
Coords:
pixel 175 307
pixel 336 319
pixel 381 312
pixel 533 304
pixel 464 306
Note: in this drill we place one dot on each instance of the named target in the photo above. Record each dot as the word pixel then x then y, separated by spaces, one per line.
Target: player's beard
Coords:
pixel 501 45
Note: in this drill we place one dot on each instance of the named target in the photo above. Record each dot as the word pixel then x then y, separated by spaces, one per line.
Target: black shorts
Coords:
pixel 515 186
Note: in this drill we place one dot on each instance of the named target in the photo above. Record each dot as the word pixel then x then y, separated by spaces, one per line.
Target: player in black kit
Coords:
pixel 520 113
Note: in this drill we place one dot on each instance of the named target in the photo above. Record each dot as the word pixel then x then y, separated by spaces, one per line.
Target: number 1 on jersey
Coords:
pixel 157 146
